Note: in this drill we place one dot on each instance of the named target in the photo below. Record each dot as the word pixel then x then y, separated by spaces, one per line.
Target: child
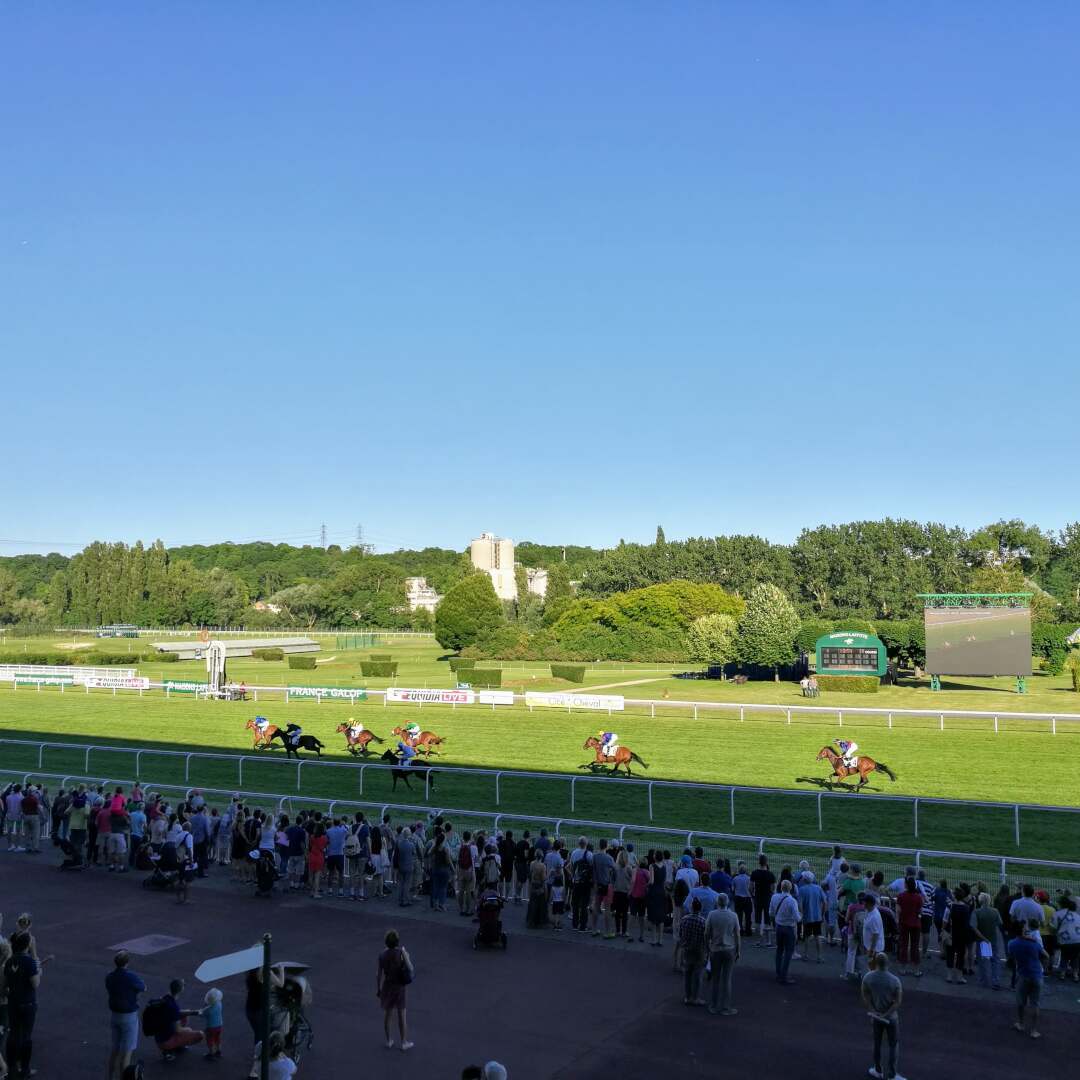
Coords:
pixel 211 1014
pixel 558 898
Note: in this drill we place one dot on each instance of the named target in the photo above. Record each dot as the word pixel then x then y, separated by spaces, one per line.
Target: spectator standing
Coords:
pixel 603 866
pixel 466 875
pixel 31 819
pixel 200 839
pixel 521 866
pixel 1025 908
pixel 910 909
pixel 656 900
pixel 692 941
pixel 639 889
pixel 622 880
pixel 316 860
pixel 536 916
pixel 212 1014
pixel 873 931
pixel 988 925
pixel 1067 925
pixel 813 904
pixel 724 942
pixel 13 818
pixel 123 987
pixel 882 994
pixel 336 836
pixel 785 915
pixel 958 933
pixel 21 977
pixel 762 883
pixel 393 974
pixel 581 885
pixel 744 904
pixel 1028 956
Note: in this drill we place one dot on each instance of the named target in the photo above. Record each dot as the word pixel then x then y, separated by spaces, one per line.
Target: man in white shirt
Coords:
pixel 1026 907
pixel 873 931
pixel 786 915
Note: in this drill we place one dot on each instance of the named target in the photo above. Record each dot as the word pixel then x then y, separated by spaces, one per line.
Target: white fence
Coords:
pixel 9 671
pixel 177 631
pixel 726 791
pixel 1060 871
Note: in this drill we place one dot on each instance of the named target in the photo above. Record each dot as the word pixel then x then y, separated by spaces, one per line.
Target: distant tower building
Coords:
pixel 495 556
pixel 421 595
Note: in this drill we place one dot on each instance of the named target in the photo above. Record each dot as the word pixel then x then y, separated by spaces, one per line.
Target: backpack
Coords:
pixel 153 1018
pixel 464 859
pixel 583 871
pixel 352 845
pixel 491 870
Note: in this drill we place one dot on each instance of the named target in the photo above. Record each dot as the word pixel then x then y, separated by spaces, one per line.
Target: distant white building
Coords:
pixel 421 595
pixel 537 580
pixel 495 556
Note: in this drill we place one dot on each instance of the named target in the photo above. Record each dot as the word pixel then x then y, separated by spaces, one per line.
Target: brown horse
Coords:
pixel 622 757
pixel 864 766
pixel 262 738
pixel 358 744
pixel 424 743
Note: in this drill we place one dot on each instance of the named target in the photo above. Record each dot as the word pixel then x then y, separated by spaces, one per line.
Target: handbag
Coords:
pixel 406 971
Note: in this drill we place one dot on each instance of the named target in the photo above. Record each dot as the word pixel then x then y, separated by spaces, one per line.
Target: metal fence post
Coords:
pixel 650 801
pixel 695 712
pixel 138 763
pixel 890 721
pixel 995 725
pixel 732 806
pixel 298 764
pixel 942 726
pixel 1016 822
pixel 789 717
pixel 240 773
pixel 915 807
pixel 40 755
pixel 840 717
pixel 573 782
pixel 86 764
pixel 819 824
pixel 742 713
pixel 652 711
pixel 187 768
pixel 497 775
pixel 362 768
pixel 427 784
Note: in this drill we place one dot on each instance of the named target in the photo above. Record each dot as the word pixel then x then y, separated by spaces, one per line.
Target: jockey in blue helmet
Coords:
pixel 406 753
pixel 609 743
pixel 849 749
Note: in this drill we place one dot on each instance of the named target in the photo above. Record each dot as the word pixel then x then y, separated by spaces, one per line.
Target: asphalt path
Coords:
pixel 554 1005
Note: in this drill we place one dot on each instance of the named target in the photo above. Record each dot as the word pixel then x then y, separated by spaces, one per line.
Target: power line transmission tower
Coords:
pixel 322 534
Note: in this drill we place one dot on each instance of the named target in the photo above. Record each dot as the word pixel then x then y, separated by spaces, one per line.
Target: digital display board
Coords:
pixel 978 640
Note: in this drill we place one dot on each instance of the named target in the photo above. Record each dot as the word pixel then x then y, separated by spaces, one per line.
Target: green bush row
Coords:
pixel 380 656
pixel 32 657
pixel 156 657
pixel 482 678
pixel 569 672
pixel 302 661
pixel 851 684
pixel 378 669
pixel 268 654
pixel 459 662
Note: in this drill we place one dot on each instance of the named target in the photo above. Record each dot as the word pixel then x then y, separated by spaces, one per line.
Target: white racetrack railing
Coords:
pixel 359 768
pixel 1064 871
pixel 695 708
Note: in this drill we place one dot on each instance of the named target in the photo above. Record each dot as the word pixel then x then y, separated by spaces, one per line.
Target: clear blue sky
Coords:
pixel 558 270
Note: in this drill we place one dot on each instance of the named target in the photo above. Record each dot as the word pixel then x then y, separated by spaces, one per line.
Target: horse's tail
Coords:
pixel 438 740
pixel 634 757
pixel 882 767
pixel 375 738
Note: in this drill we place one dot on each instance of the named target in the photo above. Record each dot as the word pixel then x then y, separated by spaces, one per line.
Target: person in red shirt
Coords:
pixel 909 906
pixel 700 863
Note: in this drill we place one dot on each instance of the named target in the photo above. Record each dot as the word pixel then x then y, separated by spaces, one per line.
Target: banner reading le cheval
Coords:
pixel 604 702
pixel 439 697
pixel 350 693
pixel 115 682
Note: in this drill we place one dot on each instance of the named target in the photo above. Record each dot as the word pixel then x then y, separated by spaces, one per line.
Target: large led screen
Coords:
pixel 978 641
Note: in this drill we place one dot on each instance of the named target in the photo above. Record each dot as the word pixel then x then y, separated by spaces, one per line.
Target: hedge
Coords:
pixel 483 677
pixel 103 659
pixel 457 663
pixel 851 684
pixel 380 656
pixel 31 657
pixel 268 654
pixel 569 672
pixel 162 657
pixel 378 669
pixel 302 661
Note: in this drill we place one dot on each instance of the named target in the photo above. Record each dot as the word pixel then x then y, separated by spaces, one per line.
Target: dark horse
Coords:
pixel 305 742
pixel 419 771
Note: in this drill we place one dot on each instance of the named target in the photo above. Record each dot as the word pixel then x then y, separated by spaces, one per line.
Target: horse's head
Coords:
pixel 250 725
pixel 397 731
pixel 388 755
pixel 342 728
pixel 591 743
pixel 825 753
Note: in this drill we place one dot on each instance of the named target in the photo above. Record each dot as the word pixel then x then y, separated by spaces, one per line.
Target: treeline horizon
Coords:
pixel 870 569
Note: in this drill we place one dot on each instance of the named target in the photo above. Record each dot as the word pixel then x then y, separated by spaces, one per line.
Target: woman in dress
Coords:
pixel 536 914
pixel 638 889
pixel 392 975
pixel 316 860
pixel 656 902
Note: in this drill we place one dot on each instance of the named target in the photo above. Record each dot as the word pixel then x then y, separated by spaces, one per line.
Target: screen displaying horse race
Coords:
pixel 978 641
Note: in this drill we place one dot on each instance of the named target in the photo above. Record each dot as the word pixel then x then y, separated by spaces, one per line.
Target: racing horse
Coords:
pixel 419 771
pixel 358 744
pixel 622 756
pixel 305 742
pixel 863 766
pixel 424 743
pixel 262 738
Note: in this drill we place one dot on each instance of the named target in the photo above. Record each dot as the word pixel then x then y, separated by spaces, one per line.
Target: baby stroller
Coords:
pixel 166 871
pixel 489 912
pixel 72 858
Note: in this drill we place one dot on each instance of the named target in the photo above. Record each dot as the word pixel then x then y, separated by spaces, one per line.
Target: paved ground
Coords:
pixel 552 1006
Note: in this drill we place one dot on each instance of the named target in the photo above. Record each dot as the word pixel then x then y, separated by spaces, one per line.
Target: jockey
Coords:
pixel 261 724
pixel 293 733
pixel 609 743
pixel 406 753
pixel 412 731
pixel 849 750
pixel 356 727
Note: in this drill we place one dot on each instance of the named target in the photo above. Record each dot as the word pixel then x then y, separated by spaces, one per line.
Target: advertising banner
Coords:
pixel 604 702
pixel 44 680
pixel 496 697
pixel 434 697
pixel 174 686
pixel 347 693
pixel 115 682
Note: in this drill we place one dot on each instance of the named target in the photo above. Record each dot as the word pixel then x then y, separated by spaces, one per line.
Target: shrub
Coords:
pixel 482 677
pixel 569 672
pixel 378 669
pixel 39 657
pixel 380 656
pixel 104 659
pixel 458 663
pixel 156 657
pixel 302 661
pixel 850 684
pixel 268 654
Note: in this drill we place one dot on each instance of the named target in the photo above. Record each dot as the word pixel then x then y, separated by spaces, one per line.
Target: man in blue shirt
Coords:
pixel 720 881
pixel 124 988
pixel 200 838
pixel 1028 956
pixel 704 895
pixel 335 856
pixel 813 903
